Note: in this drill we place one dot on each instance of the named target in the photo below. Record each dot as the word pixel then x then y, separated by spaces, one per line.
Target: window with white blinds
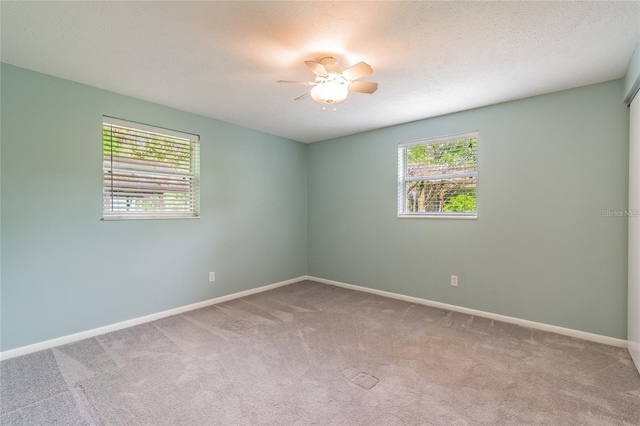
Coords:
pixel 149 172
pixel 439 177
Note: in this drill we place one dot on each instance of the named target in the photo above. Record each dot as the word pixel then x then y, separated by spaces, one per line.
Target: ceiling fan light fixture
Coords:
pixel 333 84
pixel 330 92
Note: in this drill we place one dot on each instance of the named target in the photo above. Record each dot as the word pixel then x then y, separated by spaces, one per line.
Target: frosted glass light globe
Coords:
pixel 330 92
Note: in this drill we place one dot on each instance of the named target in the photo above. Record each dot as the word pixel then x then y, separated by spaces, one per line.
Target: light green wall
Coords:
pixel 541 248
pixel 65 271
pixel 632 76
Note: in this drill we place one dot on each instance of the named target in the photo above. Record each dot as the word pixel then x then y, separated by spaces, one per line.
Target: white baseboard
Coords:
pixel 634 351
pixel 47 344
pixel 612 341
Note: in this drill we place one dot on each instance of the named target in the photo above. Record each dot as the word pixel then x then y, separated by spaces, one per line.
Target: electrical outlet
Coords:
pixel 454 280
pixel 212 277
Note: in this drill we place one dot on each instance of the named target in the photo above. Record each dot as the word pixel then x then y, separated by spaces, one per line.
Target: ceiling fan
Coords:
pixel 332 84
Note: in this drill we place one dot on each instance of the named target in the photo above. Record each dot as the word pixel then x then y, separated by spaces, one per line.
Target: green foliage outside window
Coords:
pixel 462 203
pixel 128 143
pixel 451 193
pixel 461 151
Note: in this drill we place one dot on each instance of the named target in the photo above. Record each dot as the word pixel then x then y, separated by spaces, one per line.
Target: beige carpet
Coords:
pixel 311 353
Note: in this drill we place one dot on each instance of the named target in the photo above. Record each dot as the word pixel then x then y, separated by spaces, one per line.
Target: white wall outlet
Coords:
pixel 454 280
pixel 212 277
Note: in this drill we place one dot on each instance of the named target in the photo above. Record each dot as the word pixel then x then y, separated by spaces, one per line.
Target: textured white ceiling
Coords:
pixel 222 59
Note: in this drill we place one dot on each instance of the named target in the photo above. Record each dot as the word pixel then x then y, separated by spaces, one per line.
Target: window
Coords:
pixel 439 177
pixel 149 172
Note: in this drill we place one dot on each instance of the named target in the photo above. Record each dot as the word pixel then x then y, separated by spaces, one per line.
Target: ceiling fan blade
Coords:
pixel 302 96
pixel 306 83
pixel 316 68
pixel 363 87
pixel 357 71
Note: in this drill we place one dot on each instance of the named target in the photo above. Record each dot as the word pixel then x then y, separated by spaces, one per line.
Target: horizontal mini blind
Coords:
pixel 438 177
pixel 149 172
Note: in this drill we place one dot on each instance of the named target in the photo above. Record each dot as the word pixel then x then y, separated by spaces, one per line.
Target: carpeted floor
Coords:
pixel 310 353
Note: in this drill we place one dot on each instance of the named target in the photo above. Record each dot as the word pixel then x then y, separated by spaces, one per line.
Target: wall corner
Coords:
pixel 632 76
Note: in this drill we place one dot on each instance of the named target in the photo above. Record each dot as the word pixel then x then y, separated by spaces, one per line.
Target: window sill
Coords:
pixel 435 216
pixel 112 218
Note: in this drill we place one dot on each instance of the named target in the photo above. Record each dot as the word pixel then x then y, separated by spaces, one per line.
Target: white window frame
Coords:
pixel 403 212
pixel 193 175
